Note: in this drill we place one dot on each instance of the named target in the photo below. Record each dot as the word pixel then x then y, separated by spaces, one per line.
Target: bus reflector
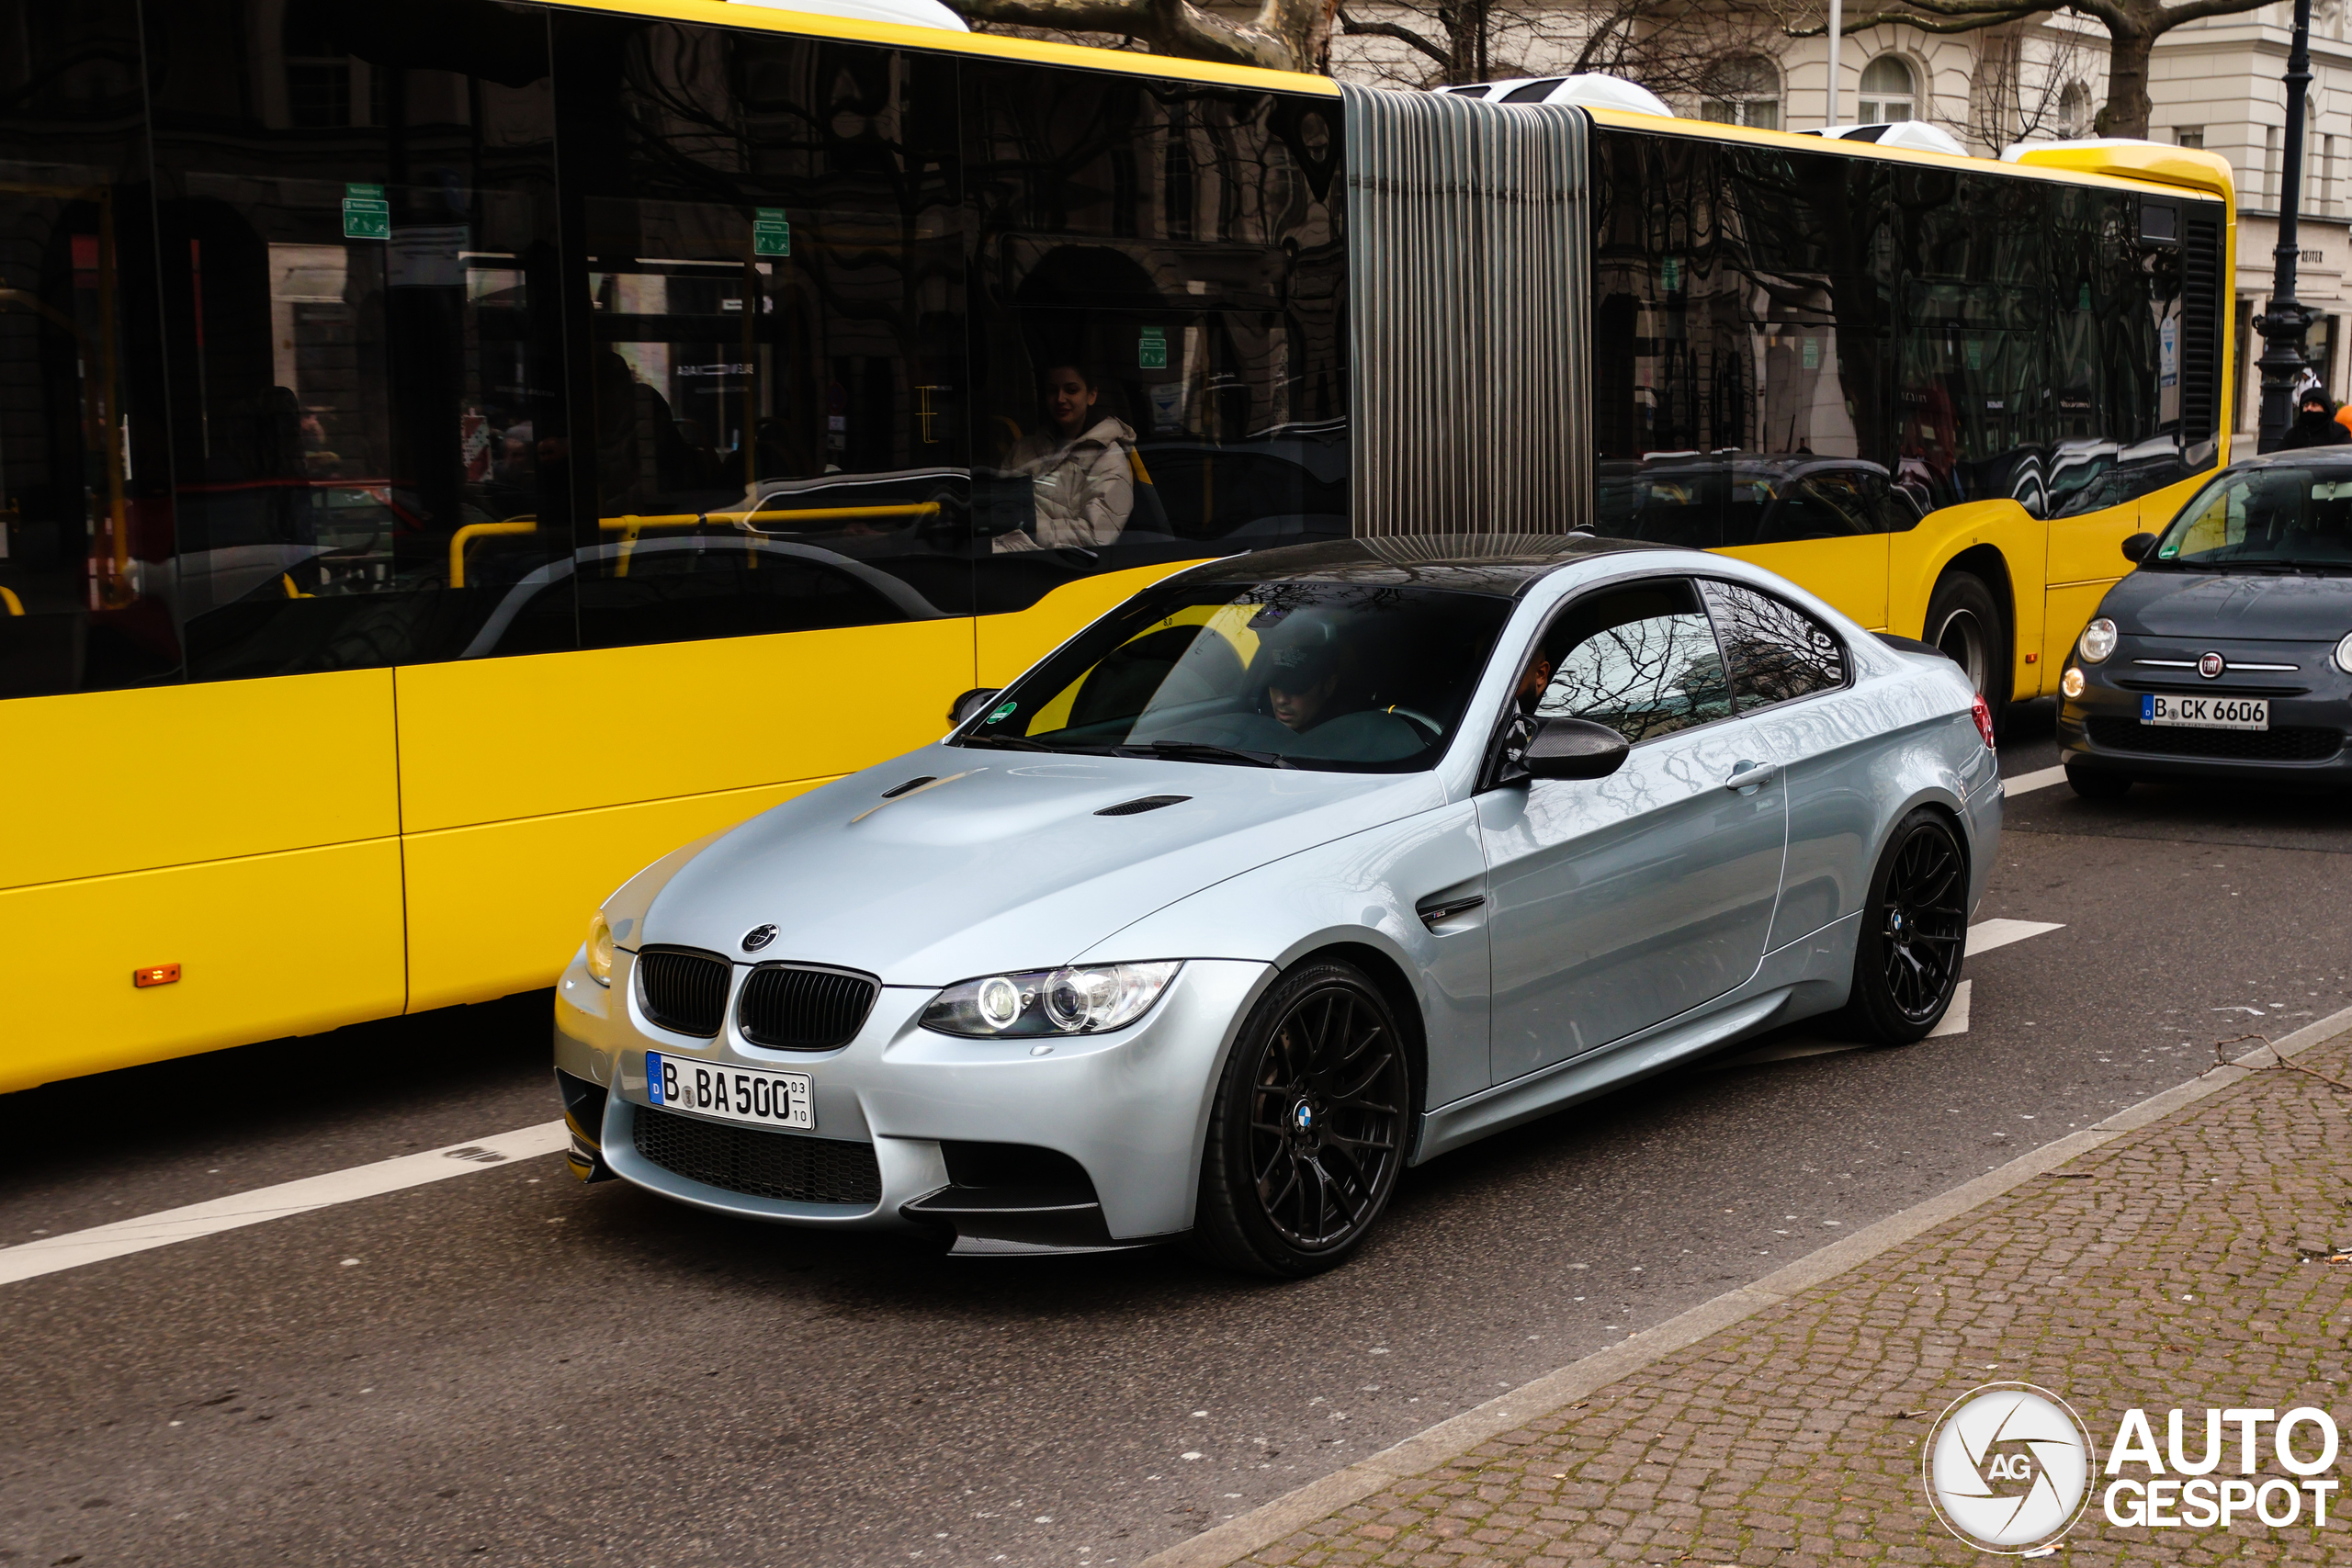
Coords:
pixel 158 975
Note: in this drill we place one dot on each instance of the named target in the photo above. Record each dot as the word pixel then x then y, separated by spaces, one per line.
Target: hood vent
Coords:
pixel 1142 802
pixel 909 786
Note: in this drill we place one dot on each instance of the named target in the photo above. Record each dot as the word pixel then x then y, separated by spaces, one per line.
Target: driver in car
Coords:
pixel 1303 675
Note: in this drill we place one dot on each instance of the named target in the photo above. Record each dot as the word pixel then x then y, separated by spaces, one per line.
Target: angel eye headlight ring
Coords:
pixel 1092 999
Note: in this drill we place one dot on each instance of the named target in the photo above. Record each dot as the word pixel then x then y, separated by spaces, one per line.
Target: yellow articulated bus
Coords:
pixel 456 451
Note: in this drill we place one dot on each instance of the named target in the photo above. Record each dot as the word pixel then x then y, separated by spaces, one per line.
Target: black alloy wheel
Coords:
pixel 1913 934
pixel 1310 1126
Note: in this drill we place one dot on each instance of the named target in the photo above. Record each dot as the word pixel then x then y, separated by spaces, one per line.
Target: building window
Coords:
pixel 318 76
pixel 2074 109
pixel 1890 90
pixel 1743 90
pixel 2188 135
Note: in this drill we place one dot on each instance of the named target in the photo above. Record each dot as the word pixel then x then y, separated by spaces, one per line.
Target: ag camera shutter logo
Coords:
pixel 2007 1467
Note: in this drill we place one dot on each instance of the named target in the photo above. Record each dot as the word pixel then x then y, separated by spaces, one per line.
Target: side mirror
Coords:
pixel 969 705
pixel 1573 749
pixel 2137 546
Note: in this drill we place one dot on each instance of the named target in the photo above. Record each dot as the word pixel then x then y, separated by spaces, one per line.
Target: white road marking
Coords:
pixel 2026 783
pixel 51 1254
pixel 1987 935
pixel 1955 1019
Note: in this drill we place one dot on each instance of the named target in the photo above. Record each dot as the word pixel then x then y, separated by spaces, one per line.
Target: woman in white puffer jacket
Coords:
pixel 1080 468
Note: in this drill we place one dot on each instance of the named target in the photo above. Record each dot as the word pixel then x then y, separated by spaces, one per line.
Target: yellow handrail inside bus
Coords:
pixel 630 525
pixel 15 605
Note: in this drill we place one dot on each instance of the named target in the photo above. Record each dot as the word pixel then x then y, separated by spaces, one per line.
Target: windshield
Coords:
pixel 2265 517
pixel 1286 674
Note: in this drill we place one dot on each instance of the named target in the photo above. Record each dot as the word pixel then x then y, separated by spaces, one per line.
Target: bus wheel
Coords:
pixel 1964 625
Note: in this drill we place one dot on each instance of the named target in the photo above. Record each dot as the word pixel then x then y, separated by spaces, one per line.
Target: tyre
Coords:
pixel 1964 624
pixel 2093 784
pixel 1309 1128
pixel 1914 933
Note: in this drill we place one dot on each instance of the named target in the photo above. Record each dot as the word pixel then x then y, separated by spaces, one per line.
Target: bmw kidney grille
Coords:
pixel 786 1007
pixel 684 988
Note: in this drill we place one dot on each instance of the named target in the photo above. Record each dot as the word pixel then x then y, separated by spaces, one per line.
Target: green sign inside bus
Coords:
pixel 1151 349
pixel 367 214
pixel 771 233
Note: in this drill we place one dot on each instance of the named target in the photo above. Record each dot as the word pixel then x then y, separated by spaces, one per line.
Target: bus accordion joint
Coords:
pixel 630 525
pixel 15 605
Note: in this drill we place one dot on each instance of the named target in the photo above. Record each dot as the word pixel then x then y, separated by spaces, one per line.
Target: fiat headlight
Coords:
pixel 2071 685
pixel 2098 641
pixel 600 950
pixel 2344 654
pixel 1089 1000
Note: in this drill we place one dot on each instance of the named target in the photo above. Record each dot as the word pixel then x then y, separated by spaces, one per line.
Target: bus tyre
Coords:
pixel 2097 783
pixel 1964 624
pixel 1913 934
pixel 1308 1133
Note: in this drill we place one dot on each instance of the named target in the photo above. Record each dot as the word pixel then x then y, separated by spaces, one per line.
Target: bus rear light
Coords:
pixel 156 974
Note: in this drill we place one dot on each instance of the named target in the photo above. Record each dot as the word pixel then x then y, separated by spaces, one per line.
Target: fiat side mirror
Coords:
pixel 969 703
pixel 1573 749
pixel 2137 546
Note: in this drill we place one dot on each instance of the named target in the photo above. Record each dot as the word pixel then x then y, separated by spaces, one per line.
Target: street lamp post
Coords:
pixel 2284 324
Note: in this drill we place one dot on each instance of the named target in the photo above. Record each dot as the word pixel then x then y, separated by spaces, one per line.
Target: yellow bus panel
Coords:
pixel 497 909
pixel 1850 572
pixel 101 783
pixel 496 739
pixel 1005 645
pixel 265 945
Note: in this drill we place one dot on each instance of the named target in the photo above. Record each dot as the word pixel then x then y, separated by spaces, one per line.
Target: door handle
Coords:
pixel 1749 776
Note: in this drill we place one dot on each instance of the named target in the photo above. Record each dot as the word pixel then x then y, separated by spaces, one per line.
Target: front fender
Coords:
pixel 1359 891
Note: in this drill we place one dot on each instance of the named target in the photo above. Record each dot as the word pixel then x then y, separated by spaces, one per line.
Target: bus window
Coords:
pixel 1159 375
pixel 86 563
pixel 354 218
pixel 774 294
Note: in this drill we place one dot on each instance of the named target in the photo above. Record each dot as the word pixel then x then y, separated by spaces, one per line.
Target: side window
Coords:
pixel 1159 370
pixel 1776 652
pixel 354 227
pixel 1641 660
pixel 774 424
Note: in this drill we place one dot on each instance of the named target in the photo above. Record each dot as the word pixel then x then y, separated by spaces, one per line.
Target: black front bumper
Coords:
pixel 2311 714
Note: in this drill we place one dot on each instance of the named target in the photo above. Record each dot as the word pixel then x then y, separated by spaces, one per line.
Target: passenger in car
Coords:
pixel 1079 465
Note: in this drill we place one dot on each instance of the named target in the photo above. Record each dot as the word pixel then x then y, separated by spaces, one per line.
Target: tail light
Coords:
pixel 1982 715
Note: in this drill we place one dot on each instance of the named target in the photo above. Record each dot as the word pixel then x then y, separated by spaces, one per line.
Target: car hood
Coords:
pixel 2231 606
pixel 1003 864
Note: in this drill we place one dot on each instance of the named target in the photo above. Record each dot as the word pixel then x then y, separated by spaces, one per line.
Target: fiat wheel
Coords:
pixel 1914 933
pixel 1309 1128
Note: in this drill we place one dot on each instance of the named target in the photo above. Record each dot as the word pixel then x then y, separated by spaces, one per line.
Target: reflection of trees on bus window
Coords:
pixel 1975 336
pixel 775 299
pixel 1179 247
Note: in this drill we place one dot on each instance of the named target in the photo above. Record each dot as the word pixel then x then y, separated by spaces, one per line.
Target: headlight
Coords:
pixel 2098 641
pixel 2071 683
pixel 2344 654
pixel 600 950
pixel 1090 1000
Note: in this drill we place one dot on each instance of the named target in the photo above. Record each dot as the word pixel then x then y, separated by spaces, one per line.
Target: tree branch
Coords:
pixel 2167 18
pixel 1403 35
pixel 1957 21
pixel 1170 26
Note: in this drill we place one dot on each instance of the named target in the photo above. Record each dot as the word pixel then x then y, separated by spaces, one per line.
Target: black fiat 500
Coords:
pixel 2227 653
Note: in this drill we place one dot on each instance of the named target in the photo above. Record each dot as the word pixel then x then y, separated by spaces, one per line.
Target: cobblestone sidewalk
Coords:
pixel 2160 1271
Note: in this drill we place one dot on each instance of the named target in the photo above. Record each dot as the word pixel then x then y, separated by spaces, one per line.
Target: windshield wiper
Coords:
pixel 1201 750
pixel 1007 742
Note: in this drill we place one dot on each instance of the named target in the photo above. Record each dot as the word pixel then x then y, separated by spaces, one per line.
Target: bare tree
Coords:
pixel 1284 35
pixel 2021 91
pixel 1672 47
pixel 2132 29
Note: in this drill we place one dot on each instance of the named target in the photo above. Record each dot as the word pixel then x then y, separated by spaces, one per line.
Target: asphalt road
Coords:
pixel 508 1368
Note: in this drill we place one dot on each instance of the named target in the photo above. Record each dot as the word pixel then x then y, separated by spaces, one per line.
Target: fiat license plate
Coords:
pixel 735 1094
pixel 2206 713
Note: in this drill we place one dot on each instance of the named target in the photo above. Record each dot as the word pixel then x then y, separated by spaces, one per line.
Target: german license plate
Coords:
pixel 2206 713
pixel 732 1094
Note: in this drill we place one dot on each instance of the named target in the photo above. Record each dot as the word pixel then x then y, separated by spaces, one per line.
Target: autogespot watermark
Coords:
pixel 2010 1469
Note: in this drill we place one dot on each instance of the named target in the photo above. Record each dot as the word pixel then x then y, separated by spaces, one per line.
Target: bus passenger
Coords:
pixel 1080 466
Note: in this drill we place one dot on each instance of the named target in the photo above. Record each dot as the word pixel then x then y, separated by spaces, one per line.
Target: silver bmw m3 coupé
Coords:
pixel 1292 872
